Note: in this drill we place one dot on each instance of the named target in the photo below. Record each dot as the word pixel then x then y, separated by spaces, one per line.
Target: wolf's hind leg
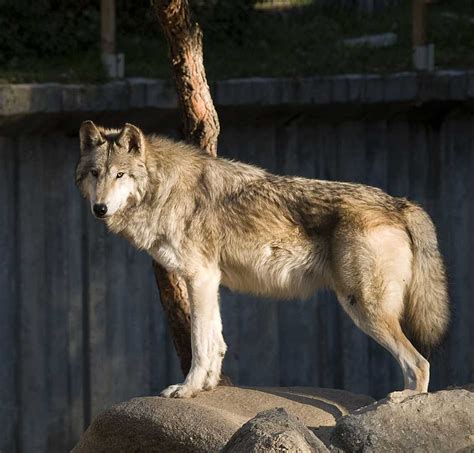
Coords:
pixel 378 268
pixel 205 322
pixel 384 327
pixel 415 368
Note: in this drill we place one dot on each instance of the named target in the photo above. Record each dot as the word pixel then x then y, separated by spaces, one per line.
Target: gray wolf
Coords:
pixel 215 221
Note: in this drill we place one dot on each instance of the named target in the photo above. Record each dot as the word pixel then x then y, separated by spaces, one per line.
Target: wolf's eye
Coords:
pixel 119 174
pixel 94 173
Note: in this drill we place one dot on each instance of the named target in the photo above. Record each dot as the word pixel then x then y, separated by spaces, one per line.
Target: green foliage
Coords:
pixel 224 18
pixel 46 28
pixel 54 40
pixel 54 28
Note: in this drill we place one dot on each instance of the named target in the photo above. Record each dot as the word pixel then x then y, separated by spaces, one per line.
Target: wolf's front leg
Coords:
pixel 207 344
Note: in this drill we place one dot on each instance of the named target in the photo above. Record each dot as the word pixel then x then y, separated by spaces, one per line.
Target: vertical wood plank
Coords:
pixel 56 180
pixel 458 153
pixel 469 290
pixel 32 299
pixel 9 412
pixel 440 367
pixel 74 222
pixel 447 242
pixel 419 168
pixel 117 282
pixel 137 332
pixel 398 160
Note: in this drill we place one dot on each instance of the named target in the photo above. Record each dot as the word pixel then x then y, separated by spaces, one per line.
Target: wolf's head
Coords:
pixel 111 171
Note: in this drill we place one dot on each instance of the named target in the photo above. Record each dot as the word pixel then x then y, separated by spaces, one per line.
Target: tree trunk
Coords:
pixel 201 128
pixel 201 124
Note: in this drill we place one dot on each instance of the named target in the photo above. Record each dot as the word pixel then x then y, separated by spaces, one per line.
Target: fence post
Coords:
pixel 113 62
pixel 423 53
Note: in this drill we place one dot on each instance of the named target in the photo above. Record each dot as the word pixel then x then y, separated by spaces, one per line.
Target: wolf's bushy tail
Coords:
pixel 427 305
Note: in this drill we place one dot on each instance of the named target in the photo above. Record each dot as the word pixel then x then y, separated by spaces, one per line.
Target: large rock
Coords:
pixel 274 430
pixel 207 422
pixel 428 422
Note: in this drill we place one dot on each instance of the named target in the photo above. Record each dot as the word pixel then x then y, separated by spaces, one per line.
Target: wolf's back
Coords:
pixel 427 306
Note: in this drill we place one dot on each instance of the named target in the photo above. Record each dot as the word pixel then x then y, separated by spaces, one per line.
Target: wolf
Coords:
pixel 220 222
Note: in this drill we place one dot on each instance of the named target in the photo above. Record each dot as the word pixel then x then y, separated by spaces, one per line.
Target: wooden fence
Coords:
pixel 81 326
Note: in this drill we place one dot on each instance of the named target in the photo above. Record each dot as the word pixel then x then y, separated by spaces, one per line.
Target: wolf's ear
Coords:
pixel 132 139
pixel 89 136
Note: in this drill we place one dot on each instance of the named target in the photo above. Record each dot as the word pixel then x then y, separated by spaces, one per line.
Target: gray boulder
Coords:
pixel 430 422
pixel 274 430
pixel 207 422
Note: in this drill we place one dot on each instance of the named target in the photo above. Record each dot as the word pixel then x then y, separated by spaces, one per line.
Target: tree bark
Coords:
pixel 201 128
pixel 184 37
pixel 175 301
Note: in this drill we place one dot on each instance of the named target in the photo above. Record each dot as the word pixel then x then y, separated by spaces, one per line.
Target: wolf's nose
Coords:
pixel 100 209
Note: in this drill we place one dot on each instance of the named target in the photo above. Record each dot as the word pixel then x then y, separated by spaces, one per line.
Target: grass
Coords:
pixel 300 41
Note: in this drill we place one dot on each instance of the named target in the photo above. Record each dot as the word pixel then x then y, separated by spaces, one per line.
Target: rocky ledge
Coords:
pixel 233 419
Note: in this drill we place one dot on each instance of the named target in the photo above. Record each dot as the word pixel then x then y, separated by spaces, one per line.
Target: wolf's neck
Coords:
pixel 134 224
pixel 143 224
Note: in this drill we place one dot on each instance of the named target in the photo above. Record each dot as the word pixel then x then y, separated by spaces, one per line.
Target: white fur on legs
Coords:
pixel 218 349
pixel 206 336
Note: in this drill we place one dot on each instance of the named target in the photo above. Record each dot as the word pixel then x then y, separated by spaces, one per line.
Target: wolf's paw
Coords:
pixel 179 391
pixel 401 395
